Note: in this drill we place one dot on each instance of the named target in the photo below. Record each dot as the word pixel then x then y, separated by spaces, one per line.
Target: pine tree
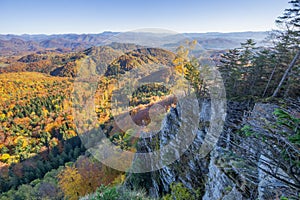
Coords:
pixel 290 39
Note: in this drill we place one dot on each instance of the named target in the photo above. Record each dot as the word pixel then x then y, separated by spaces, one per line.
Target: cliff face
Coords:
pixel 189 169
pixel 218 184
pixel 251 169
pixel 224 173
pixel 221 180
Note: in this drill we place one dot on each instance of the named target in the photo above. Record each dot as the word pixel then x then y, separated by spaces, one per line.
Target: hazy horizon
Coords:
pixel 92 33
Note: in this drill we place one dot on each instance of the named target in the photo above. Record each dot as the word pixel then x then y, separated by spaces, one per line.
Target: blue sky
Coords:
pixel 95 16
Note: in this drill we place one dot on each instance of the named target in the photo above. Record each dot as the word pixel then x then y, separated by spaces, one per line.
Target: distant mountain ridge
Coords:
pixel 23 44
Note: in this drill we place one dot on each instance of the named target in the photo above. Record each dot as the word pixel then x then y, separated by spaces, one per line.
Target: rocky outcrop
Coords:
pixel 245 169
pixel 224 174
pixel 190 168
pixel 218 184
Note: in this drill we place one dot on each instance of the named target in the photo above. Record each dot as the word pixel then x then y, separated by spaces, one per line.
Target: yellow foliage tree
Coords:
pixel 182 56
pixel 70 181
pixel 5 157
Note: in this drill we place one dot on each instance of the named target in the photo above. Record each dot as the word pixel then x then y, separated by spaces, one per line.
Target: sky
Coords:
pixel 96 16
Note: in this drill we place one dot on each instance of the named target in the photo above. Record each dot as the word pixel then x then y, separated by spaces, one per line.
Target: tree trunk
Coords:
pixel 286 73
pixel 269 81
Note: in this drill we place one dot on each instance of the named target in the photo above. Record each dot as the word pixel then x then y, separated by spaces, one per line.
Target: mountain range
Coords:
pixel 23 44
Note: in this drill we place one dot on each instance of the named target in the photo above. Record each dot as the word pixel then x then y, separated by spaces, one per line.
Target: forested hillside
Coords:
pixel 44 154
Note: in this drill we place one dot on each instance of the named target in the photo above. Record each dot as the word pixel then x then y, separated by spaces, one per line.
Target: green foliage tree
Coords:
pixel 178 192
pixel 239 69
pixel 289 39
pixel 117 193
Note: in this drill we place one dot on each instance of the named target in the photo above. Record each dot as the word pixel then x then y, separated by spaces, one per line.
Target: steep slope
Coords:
pixel 96 59
pixel 226 173
pixel 67 64
pixel 43 62
pixel 140 57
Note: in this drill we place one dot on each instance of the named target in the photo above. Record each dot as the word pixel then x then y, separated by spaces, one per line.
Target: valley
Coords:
pixel 151 114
